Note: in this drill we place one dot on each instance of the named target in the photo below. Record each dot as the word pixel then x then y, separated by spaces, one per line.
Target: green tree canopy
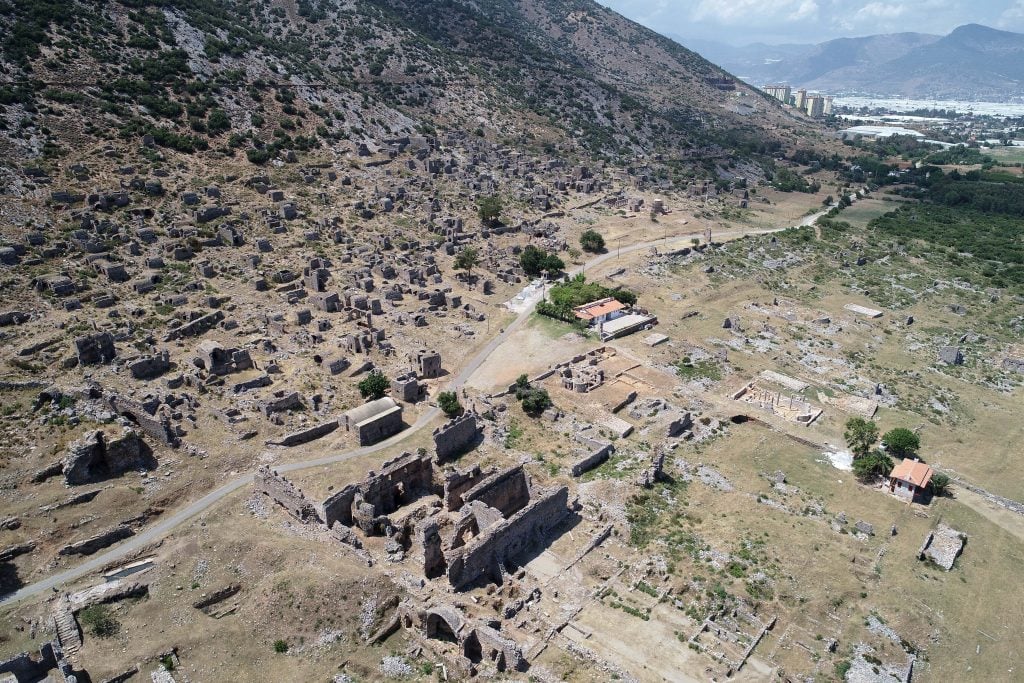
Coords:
pixel 374 385
pixel 489 209
pixel 592 241
pixel 467 260
pixel 901 442
pixel 534 260
pixel 875 464
pixel 860 436
pixel 448 402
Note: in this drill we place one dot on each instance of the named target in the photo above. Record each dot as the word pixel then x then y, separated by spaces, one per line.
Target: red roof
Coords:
pixel 913 471
pixel 598 308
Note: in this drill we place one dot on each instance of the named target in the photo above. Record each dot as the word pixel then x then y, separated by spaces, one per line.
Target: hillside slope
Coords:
pixel 257 76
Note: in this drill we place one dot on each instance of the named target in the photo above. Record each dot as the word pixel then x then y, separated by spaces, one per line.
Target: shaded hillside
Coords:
pixel 253 77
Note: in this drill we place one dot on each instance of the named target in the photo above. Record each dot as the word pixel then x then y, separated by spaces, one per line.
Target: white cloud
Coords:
pixel 752 11
pixel 1013 17
pixel 881 10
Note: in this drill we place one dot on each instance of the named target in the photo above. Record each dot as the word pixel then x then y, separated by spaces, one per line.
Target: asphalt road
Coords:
pixel 169 523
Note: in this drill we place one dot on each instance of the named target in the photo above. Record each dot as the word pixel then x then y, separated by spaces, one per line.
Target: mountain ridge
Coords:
pixel 971 62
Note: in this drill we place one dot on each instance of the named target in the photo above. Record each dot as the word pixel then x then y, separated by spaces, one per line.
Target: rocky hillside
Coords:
pixel 252 78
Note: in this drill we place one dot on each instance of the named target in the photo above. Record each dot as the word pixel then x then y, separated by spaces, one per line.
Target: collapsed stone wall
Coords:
pixel 97 456
pixel 159 429
pixel 400 481
pixel 457 483
pixel 507 491
pixel 456 435
pixel 285 494
pixel 305 435
pixel 591 461
pixel 484 556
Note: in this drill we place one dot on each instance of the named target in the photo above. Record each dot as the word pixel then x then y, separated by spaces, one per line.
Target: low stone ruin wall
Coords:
pixel 154 428
pixel 457 483
pixel 305 435
pixel 285 494
pixel 407 475
pixel 593 460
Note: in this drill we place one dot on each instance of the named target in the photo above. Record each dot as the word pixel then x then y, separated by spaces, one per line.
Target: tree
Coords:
pixel 490 209
pixel 466 260
pixel 592 241
pixel 828 201
pixel 860 436
pixel 536 401
pixel 374 385
pixel 901 442
pixel 876 464
pixel 939 484
pixel 448 402
pixel 534 260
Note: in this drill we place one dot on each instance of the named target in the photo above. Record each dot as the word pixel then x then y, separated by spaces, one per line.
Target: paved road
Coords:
pixel 167 524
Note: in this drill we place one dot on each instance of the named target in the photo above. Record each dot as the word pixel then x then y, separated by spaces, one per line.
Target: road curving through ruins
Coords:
pixel 179 517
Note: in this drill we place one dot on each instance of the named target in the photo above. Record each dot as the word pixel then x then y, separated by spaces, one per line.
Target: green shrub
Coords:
pixel 374 385
pixel 99 621
pixel 592 241
pixel 448 402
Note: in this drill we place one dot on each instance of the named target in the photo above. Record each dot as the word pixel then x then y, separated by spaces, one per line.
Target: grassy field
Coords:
pixel 1008 155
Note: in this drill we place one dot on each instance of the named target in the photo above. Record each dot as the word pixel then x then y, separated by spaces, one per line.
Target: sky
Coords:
pixel 740 22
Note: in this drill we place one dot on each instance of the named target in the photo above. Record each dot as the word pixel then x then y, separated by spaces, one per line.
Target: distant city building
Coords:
pixel 780 92
pixel 815 106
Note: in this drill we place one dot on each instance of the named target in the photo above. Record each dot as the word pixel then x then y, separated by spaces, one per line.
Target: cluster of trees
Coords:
pixel 870 462
pixel 567 295
pixel 448 402
pixel 786 180
pixel 489 209
pixel 533 400
pixel 534 261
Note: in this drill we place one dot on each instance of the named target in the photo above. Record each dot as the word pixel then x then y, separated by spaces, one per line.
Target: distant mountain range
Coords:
pixel 973 62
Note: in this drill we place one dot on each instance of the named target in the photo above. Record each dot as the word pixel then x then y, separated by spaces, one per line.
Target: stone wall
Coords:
pixel 453 437
pixel 285 494
pixel 456 483
pixel 483 556
pixel 507 491
pixel 305 435
pixel 102 540
pixel 338 506
pixel 591 461
pixel 97 456
pixel 25 667
pixel 148 367
pixel 400 481
pixel 195 327
pixel 159 429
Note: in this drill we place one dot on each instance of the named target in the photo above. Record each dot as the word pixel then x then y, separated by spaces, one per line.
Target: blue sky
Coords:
pixel 811 21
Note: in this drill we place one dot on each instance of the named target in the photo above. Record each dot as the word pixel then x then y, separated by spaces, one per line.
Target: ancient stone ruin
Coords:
pixel 98 456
